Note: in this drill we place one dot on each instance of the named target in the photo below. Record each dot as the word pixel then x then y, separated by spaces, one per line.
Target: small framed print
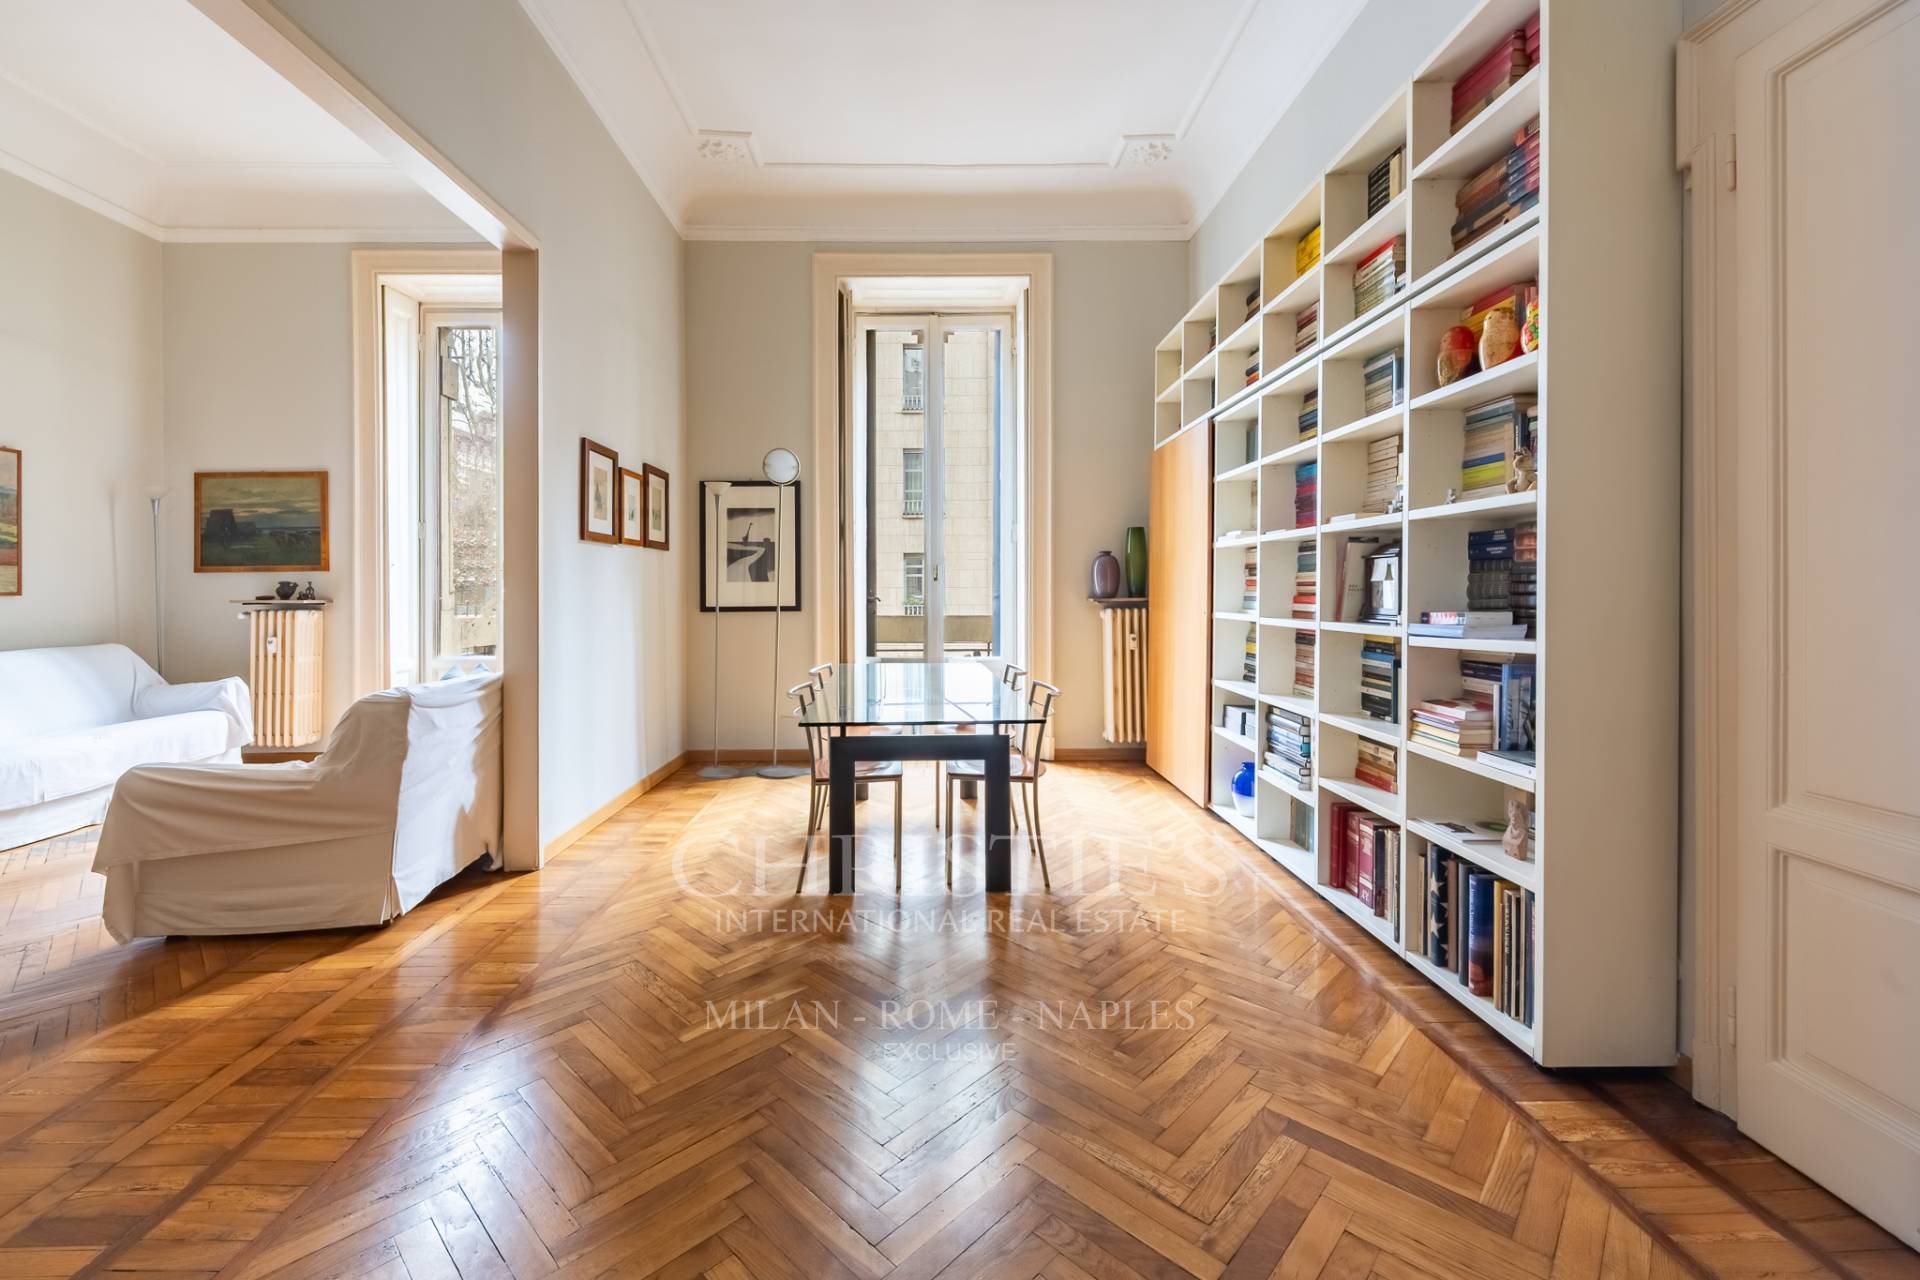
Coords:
pixel 633 500
pixel 749 546
pixel 10 521
pixel 654 528
pixel 599 492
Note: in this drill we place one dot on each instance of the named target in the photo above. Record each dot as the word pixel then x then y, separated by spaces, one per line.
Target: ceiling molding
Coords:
pixel 1011 234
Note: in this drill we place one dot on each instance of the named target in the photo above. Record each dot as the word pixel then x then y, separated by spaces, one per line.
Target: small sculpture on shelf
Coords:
pixel 285 588
pixel 1530 327
pixel 308 593
pixel 1453 494
pixel 1398 502
pixel 1522 477
pixel 1499 338
pixel 1456 355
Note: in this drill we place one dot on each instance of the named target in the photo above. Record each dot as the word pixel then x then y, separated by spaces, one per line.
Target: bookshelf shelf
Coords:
pixel 1605 385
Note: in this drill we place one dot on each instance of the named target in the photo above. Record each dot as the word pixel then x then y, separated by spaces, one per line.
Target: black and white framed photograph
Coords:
pixel 749 546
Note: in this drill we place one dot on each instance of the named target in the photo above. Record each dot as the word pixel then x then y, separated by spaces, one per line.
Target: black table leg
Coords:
pixel 999 816
pixel 840 832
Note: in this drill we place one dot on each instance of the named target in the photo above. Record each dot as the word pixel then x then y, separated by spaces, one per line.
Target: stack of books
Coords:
pixel 1510 298
pixel 1253 369
pixel 1310 415
pixel 1250 656
pixel 1383 381
pixel 1457 726
pixel 1377 765
pixel 1364 860
pixel 1500 192
pixel 1290 746
pixel 1504 686
pixel 1306 327
pixel 1303 642
pixel 1380 678
pixel 1384 460
pixel 1253 300
pixel 1489 570
pixel 1479 928
pixel 1250 591
pixel 1306 580
pixel 1380 275
pixel 1523 576
pixel 1468 624
pixel 1499 70
pixel 1306 251
pixel 1384 182
pixel 1492 431
pixel 1306 495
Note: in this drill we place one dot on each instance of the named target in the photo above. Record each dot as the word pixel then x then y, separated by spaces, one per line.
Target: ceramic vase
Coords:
pixel 1106 576
pixel 1243 789
pixel 1136 561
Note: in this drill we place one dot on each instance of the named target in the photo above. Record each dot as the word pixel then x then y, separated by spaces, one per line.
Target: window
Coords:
pixel 913 582
pixel 463 569
pixel 913 482
pixel 913 379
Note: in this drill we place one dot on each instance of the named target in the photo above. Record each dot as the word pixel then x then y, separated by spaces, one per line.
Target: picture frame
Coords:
pixel 599 492
pixel 261 522
pixel 655 528
pixel 12 522
pixel 633 497
pixel 752 572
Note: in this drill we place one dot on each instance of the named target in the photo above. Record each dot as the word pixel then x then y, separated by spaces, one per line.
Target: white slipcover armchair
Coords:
pixel 72 720
pixel 406 795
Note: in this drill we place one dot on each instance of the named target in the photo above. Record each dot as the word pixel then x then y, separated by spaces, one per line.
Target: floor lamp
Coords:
pixel 154 497
pixel 782 468
pixel 716 769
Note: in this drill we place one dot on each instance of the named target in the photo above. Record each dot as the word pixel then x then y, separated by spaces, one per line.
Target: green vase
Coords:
pixel 1136 561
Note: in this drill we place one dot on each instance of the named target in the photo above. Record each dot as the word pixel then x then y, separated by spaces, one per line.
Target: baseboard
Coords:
pixel 745 755
pixel 1093 754
pixel 585 827
pixel 1681 1073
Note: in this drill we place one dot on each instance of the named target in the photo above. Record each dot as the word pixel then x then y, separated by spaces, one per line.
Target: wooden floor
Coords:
pixel 652 1058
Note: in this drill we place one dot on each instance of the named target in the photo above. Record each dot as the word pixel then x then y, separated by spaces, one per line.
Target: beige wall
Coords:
pixel 80 365
pixel 749 388
pixel 477 81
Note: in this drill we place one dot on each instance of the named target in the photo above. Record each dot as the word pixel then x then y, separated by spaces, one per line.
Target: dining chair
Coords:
pixel 1010 675
pixel 870 771
pixel 1024 769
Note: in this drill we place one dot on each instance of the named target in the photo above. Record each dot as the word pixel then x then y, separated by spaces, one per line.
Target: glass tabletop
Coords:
pixel 918 693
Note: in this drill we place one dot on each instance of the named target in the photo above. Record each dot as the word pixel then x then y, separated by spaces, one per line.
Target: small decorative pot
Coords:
pixel 286 589
pixel 1243 789
pixel 1106 576
pixel 1136 561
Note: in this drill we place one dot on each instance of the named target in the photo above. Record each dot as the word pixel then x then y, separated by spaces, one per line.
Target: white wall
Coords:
pixel 476 80
pixel 749 340
pixel 81 372
pixel 259 377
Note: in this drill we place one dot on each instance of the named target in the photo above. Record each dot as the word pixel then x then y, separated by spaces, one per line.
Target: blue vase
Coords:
pixel 1136 561
pixel 1243 789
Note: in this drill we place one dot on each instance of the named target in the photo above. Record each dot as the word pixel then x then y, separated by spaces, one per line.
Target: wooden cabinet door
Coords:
pixel 1179 603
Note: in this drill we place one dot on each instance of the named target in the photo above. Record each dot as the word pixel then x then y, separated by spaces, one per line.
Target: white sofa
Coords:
pixel 406 795
pixel 73 720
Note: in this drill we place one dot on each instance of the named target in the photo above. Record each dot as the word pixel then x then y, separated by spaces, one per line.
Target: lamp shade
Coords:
pixel 780 466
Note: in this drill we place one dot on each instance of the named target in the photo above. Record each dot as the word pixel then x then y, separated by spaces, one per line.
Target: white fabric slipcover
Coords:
pixel 73 720
pixel 406 794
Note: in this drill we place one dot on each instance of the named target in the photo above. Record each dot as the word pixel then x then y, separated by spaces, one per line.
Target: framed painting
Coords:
pixel 9 522
pixel 599 492
pixel 654 530
pixel 260 522
pixel 749 546
pixel 633 499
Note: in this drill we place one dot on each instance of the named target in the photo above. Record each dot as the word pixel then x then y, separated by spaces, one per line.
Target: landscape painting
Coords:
pixel 260 522
pixel 9 522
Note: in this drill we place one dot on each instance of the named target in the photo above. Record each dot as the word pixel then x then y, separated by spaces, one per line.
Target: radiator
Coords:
pixel 1123 633
pixel 284 673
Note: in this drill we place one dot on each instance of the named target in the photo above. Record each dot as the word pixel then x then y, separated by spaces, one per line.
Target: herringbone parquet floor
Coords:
pixel 652 1058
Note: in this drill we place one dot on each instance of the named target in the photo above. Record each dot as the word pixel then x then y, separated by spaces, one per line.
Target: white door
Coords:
pixel 1827 809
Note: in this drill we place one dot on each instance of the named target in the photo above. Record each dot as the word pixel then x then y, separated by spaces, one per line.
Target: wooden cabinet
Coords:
pixel 1178 605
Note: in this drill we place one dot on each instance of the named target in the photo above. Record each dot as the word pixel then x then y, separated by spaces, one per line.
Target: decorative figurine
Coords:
pixel 1453 495
pixel 308 593
pixel 1499 338
pixel 285 588
pixel 1522 477
pixel 1530 327
pixel 1456 355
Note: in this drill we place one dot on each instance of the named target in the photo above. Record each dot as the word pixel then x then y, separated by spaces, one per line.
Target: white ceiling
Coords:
pixel 976 119
pixel 146 111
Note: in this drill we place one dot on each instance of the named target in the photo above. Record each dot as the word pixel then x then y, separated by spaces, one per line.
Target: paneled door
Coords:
pixel 1826 838
pixel 1179 532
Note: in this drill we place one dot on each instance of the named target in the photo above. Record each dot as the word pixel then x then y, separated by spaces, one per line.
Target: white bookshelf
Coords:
pixel 1604 865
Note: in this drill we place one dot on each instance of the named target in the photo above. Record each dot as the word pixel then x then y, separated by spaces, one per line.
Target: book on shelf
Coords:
pixel 1383 381
pixel 1252 369
pixel 1380 678
pixel 1377 765
pixel 1306 327
pixel 1306 251
pixel 1306 495
pixel 1364 861
pixel 1523 574
pixel 1253 444
pixel 1478 927
pixel 1303 651
pixel 1501 192
pixel 1464 631
pixel 1253 301
pixel 1300 823
pixel 1487 835
pixel 1521 764
pixel 1504 685
pixel 1455 726
pixel 1289 746
pixel 1491 434
pixel 1350 580
pixel 1250 656
pixel 1250 589
pixel 1499 69
pixel 1489 561
pixel 1306 579
pixel 1310 415
pixel 1385 471
pixel 1385 181
pixel 1380 275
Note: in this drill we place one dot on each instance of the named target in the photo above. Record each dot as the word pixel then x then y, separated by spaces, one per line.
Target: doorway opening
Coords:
pixel 939 511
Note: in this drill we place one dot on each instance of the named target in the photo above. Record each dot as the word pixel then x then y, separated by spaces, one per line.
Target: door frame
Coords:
pixel 830 598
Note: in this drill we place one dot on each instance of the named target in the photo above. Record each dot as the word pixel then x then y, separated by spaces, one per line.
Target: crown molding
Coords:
pixel 1008 234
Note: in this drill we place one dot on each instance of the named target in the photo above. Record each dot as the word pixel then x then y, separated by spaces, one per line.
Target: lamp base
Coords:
pixel 781 771
pixel 718 771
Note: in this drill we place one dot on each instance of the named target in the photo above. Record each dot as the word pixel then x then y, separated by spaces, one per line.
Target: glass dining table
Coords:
pixel 957 710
